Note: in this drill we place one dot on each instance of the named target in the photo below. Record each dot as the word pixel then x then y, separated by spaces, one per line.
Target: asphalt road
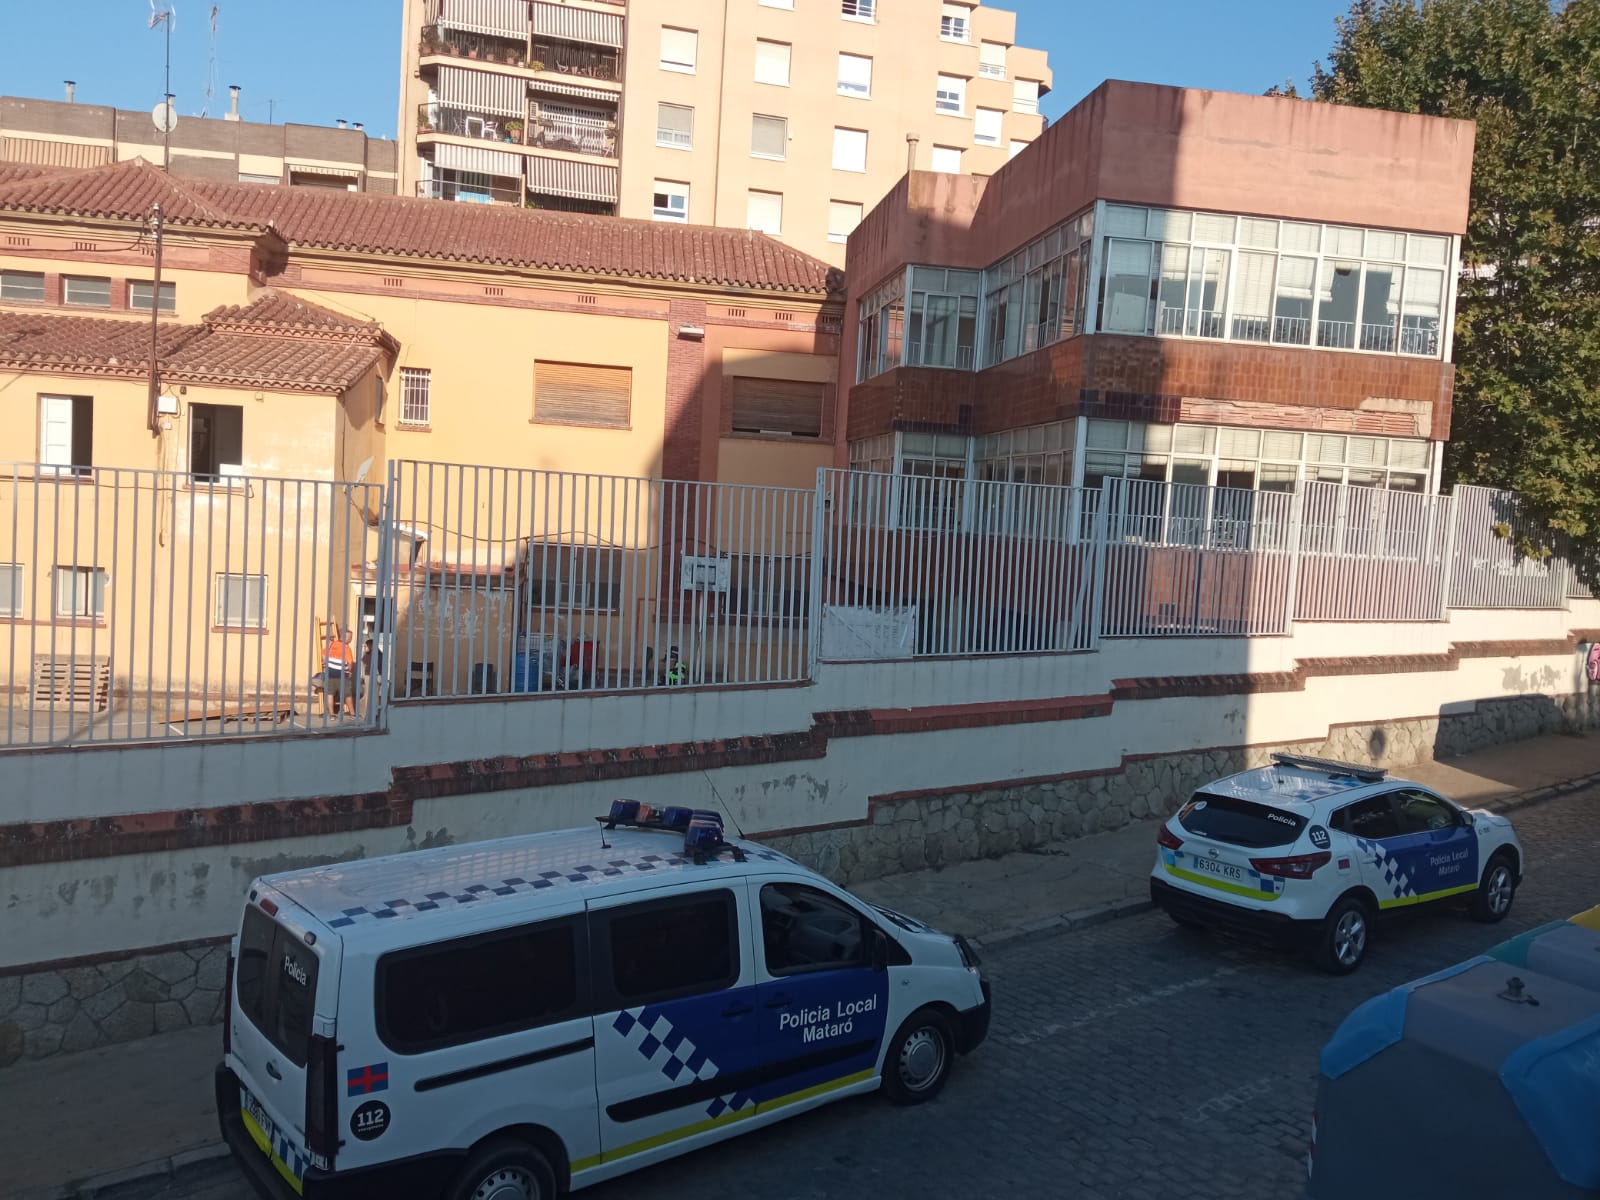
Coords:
pixel 1131 1060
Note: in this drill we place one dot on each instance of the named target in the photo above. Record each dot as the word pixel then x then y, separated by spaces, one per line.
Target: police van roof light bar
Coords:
pixel 1329 766
pixel 701 829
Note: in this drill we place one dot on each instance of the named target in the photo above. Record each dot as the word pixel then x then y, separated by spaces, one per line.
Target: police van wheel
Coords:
pixel 918 1062
pixel 1341 945
pixel 1498 888
pixel 505 1170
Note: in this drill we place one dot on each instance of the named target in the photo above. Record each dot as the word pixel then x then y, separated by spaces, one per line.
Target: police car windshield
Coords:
pixel 1239 822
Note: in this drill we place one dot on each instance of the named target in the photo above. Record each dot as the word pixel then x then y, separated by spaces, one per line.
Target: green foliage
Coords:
pixel 1527 331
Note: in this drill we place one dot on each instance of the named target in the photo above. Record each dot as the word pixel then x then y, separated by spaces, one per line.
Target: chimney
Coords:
pixel 911 153
pixel 72 90
pixel 357 125
pixel 340 122
pixel 233 103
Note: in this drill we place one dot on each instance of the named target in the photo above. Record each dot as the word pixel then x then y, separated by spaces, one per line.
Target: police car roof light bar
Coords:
pixel 1329 766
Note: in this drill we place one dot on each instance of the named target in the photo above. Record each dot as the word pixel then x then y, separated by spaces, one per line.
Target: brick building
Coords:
pixel 1173 285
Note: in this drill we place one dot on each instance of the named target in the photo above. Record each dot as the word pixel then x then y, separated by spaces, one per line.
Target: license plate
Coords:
pixel 1210 866
pixel 258 1117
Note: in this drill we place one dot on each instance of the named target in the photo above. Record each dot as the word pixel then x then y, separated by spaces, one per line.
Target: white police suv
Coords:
pixel 1309 851
pixel 510 1019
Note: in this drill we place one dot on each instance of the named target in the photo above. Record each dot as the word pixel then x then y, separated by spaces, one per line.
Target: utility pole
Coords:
pixel 157 225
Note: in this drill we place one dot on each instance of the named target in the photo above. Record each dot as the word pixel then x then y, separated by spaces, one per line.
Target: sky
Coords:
pixel 317 61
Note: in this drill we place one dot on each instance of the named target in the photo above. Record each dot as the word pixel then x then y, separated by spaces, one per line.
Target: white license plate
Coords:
pixel 1210 866
pixel 257 1114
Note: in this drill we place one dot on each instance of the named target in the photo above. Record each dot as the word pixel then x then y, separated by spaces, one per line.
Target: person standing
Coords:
pixel 338 674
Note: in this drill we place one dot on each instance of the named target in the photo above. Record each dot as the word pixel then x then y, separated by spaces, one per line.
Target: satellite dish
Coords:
pixel 361 471
pixel 165 118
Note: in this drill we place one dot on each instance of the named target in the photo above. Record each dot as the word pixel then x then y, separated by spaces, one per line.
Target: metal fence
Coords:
pixel 516 581
pixel 151 605
pixel 1488 570
pixel 1366 554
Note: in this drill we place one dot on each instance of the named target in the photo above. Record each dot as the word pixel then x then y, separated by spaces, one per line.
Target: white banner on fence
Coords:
pixel 868 634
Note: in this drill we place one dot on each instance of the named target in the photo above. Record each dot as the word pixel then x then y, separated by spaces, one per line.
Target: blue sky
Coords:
pixel 315 61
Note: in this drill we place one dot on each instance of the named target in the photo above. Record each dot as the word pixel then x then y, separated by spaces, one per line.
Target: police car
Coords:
pixel 510 1019
pixel 1310 851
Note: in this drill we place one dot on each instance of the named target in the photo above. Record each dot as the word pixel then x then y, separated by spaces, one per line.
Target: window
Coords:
pixel 988 126
pixel 574 577
pixel 769 137
pixel 12 582
pixel 416 385
pixel 764 212
pixel 1422 813
pixel 1015 149
pixel 216 440
pixel 942 318
pixel 240 601
pixel 66 433
pixel 671 201
pixel 86 291
pixel 675 126
pixel 992 60
pixel 843 217
pixel 947 160
pixel 250 177
pixel 679 48
pixel 672 948
pixel 951 96
pixel 790 408
pixel 1127 303
pixel 472 988
pixel 955 23
pixel 772 62
pixel 80 592
pixel 276 981
pixel 849 149
pixel 772 588
pixel 578 394
pixel 1025 96
pixel 380 399
pixel 22 285
pixel 859 10
pixel 1372 818
pixel 139 296
pixel 855 75
pixel 1239 822
pixel 881 317
pixel 803 929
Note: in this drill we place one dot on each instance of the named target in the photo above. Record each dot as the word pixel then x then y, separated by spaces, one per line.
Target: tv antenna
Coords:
pixel 164 14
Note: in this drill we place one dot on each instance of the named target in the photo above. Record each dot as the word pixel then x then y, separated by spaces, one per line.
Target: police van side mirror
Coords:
pixel 880 949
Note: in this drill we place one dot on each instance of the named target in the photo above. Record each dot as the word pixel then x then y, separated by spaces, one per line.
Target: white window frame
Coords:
pixel 860 211
pixel 859 10
pixel 244 620
pixel 784 121
pixel 946 151
pixel 843 129
pixel 415 381
pixel 758 196
pixel 66 290
pixel 992 70
pixel 1016 147
pixel 60 461
pixel 671 138
pixel 676 64
pixel 673 190
pixel 943 94
pixel 84 581
pixel 845 87
pixel 770 48
pixel 1021 103
pixel 13 589
pixel 981 117
pixel 169 291
pixel 17 277
pixel 954 27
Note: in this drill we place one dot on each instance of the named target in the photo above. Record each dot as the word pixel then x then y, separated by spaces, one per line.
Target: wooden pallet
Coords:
pixel 81 684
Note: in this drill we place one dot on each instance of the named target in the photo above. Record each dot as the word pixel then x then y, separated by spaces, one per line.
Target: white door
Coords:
pixel 55 431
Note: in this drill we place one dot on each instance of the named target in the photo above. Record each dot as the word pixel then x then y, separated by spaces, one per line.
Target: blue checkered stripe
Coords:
pixel 515 885
pixel 680 1060
pixel 1396 878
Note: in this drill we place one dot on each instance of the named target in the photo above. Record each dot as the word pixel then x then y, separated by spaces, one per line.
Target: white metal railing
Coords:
pixel 1487 569
pixel 992 70
pixel 1189 322
pixel 151 605
pixel 1367 554
pixel 527 581
pixel 1294 330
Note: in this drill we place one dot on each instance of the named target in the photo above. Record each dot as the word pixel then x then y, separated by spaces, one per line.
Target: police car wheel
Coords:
pixel 1496 890
pixel 506 1170
pixel 1342 944
pixel 918 1062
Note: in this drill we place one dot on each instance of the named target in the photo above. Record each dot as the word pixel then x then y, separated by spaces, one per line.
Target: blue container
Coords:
pixel 525 672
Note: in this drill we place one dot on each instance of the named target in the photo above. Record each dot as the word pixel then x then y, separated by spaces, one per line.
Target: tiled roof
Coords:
pixel 274 342
pixel 431 229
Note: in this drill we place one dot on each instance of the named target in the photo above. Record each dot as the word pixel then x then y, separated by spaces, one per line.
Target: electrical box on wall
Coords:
pixel 167 405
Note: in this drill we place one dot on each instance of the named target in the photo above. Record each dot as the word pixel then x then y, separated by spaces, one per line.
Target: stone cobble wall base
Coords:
pixel 58 1010
pixel 911 831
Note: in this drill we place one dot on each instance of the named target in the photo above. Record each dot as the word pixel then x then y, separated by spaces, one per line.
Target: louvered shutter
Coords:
pixel 578 394
pixel 777 406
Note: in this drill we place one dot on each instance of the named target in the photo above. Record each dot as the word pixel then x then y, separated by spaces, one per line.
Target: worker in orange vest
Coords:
pixel 339 674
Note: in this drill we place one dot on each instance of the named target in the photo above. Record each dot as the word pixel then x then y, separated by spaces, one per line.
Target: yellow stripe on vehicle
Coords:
pixel 1404 901
pixel 675 1135
pixel 259 1137
pixel 1589 920
pixel 1221 885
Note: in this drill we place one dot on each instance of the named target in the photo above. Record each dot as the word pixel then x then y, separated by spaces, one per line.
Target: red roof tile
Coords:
pixel 432 229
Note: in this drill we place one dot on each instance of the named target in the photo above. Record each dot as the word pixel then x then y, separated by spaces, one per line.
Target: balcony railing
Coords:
pixel 498 192
pixel 575 135
pixel 561 58
pixel 464 122
pixel 584 62
pixel 479 47
pixel 1420 336
pixel 1189 322
pixel 1294 331
pixel 992 70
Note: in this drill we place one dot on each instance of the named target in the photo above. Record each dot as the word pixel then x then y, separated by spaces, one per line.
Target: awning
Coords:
pixel 573 89
pixel 53 154
pixel 483 92
pixel 577 24
pixel 499 18
pixel 578 180
pixel 350 173
pixel 484 161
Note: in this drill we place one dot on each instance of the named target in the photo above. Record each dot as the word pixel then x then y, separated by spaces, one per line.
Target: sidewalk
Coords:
pixel 82 1122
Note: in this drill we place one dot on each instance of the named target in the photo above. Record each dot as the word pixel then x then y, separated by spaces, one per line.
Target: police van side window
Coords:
pixel 276 981
pixel 665 949
pixel 803 929
pixel 1372 818
pixel 479 987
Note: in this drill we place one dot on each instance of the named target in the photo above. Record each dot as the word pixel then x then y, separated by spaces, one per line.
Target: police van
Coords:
pixel 514 1018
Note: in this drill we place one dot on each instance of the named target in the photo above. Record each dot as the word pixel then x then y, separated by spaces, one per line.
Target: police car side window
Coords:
pixel 803 929
pixel 670 948
pixel 481 986
pixel 1372 818
pixel 1422 813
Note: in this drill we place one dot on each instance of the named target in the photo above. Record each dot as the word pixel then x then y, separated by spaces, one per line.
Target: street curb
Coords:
pixel 160 1168
pixel 1554 791
pixel 1067 922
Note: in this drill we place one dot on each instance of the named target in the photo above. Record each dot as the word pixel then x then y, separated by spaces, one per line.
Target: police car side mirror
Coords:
pixel 880 949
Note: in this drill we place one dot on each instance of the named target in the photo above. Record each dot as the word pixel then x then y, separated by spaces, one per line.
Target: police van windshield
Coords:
pixel 1239 822
pixel 276 979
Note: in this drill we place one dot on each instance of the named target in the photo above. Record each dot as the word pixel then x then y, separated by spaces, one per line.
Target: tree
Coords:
pixel 1527 331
